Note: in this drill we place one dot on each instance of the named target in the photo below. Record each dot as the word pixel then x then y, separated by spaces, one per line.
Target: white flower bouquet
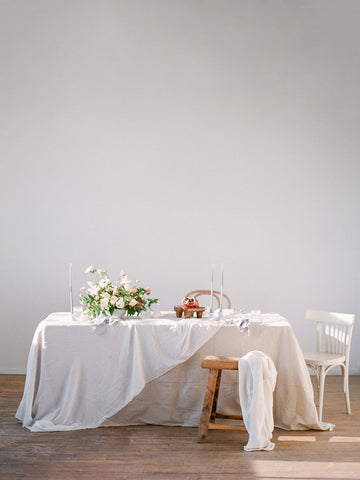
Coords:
pixel 105 298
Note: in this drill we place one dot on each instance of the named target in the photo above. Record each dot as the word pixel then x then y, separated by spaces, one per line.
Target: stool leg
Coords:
pixel 216 396
pixel 208 404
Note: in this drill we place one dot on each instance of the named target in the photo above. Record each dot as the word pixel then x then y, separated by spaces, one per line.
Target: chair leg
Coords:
pixel 208 404
pixel 318 384
pixel 321 391
pixel 345 373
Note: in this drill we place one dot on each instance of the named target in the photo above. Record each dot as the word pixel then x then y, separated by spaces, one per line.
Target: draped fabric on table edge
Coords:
pixel 184 346
pixel 257 379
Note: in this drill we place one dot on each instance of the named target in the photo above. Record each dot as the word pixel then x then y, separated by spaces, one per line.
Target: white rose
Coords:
pixel 126 282
pixel 113 300
pixel 106 295
pixel 120 303
pixel 93 290
pixel 104 282
pixel 133 302
pixel 104 302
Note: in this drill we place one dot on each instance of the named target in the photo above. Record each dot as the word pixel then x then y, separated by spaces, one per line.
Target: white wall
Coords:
pixel 161 136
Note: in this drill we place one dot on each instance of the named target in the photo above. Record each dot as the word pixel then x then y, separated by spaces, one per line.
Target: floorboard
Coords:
pixel 171 453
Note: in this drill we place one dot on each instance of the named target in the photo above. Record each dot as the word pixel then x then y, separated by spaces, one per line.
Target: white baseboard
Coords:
pixel 12 371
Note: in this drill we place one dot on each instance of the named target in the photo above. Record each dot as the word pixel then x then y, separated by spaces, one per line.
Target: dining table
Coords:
pixel 85 373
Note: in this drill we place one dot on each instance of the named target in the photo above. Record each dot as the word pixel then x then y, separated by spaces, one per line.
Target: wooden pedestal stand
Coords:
pixel 188 311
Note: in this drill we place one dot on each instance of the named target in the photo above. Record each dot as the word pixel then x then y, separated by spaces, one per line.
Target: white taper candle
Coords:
pixel 222 287
pixel 212 289
pixel 71 292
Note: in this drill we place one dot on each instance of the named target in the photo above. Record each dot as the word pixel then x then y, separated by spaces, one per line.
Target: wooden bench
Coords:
pixel 209 413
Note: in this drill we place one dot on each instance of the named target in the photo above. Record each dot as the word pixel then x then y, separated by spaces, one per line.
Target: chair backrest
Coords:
pixel 334 331
pixel 217 295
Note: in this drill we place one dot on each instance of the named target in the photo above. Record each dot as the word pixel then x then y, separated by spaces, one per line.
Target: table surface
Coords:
pixel 148 371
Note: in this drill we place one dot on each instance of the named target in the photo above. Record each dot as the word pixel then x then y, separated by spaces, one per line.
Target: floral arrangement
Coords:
pixel 106 298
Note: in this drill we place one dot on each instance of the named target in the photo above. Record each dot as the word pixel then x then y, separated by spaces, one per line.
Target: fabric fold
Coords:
pixel 257 379
pixel 76 379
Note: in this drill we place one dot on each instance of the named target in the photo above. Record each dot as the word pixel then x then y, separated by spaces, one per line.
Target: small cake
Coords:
pixel 190 302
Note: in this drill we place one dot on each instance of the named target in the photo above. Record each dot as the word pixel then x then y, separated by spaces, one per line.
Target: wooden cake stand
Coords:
pixel 188 311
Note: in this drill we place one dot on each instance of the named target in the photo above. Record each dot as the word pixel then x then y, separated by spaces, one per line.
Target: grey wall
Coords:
pixel 161 136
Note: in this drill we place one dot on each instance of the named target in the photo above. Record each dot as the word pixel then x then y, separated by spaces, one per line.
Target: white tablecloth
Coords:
pixel 148 371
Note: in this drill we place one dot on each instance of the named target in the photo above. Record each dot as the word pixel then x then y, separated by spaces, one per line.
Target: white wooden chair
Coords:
pixel 334 331
pixel 217 296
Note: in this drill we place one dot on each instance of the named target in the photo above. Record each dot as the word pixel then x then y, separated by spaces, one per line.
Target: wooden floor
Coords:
pixel 155 452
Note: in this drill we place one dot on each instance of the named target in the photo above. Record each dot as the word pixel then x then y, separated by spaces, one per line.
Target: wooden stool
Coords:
pixel 209 414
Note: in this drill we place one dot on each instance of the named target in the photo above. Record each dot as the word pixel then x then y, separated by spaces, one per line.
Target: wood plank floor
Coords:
pixel 155 452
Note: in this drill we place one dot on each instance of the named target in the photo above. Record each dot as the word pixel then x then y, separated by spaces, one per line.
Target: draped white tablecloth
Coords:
pixel 148 371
